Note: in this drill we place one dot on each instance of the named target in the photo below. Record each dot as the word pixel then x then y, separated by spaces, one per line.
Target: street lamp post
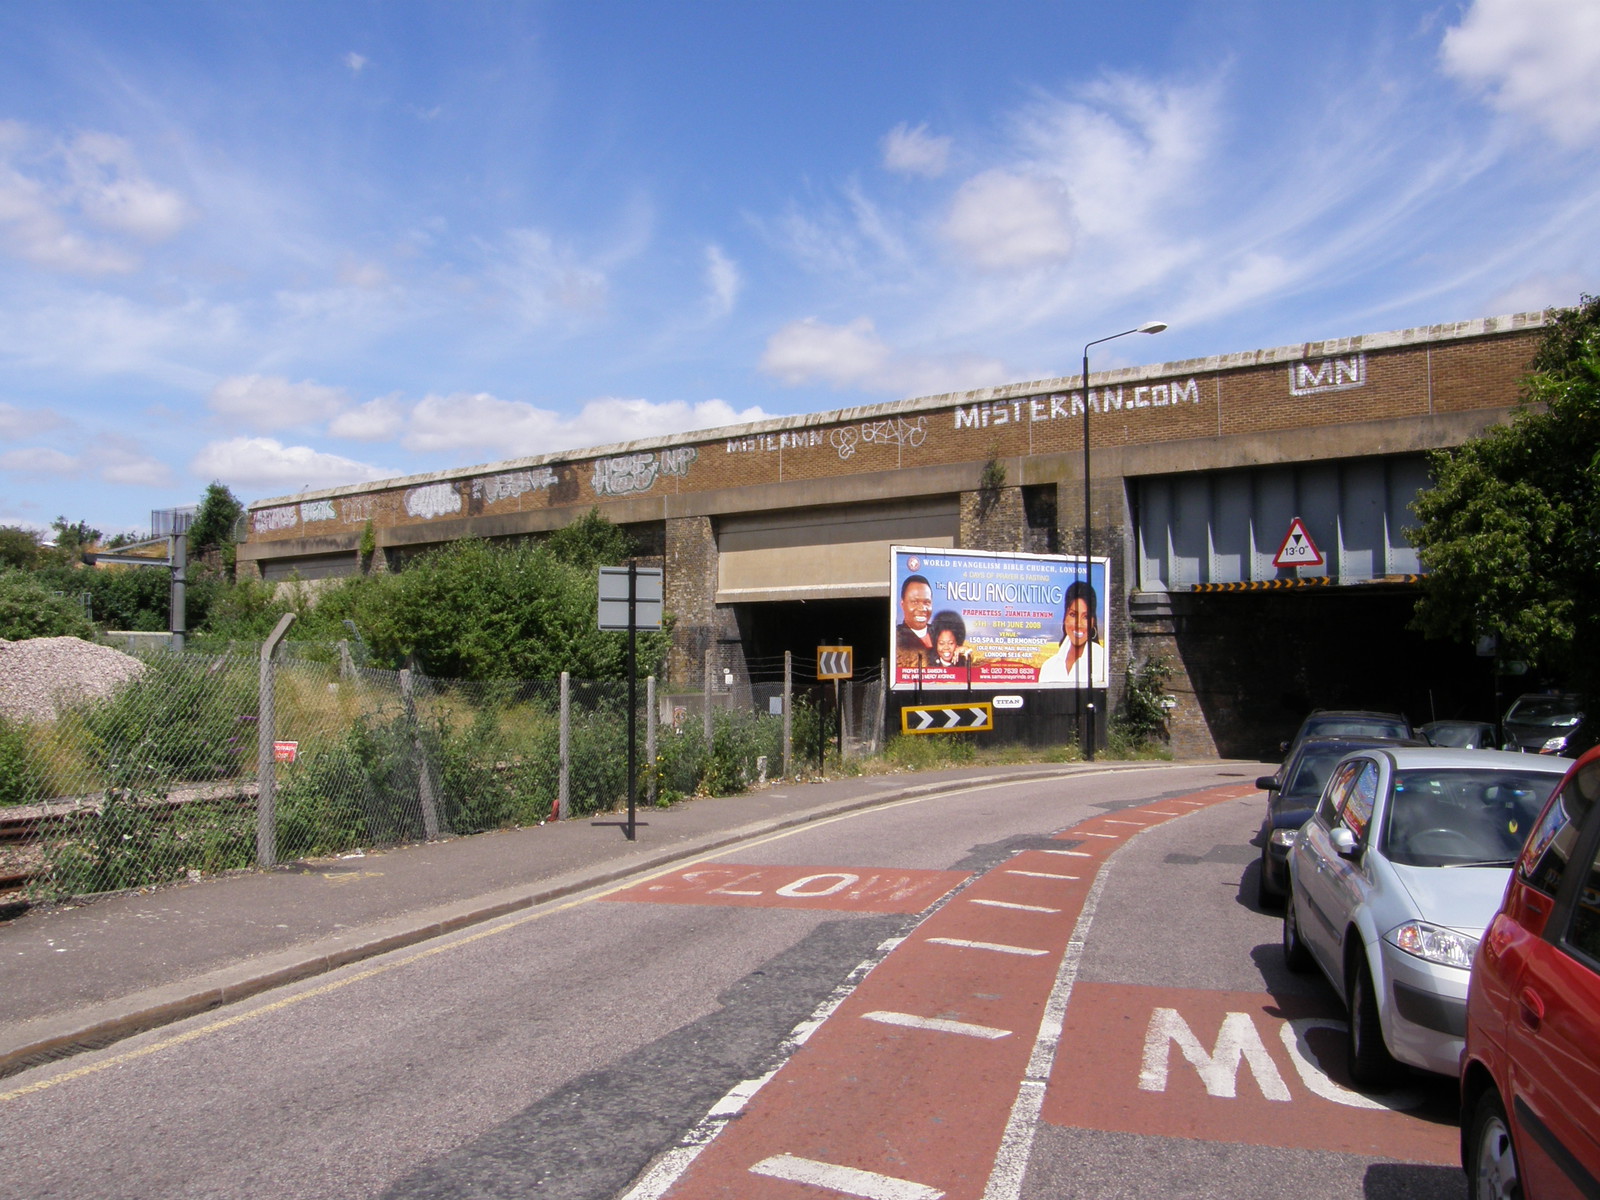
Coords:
pixel 1088 524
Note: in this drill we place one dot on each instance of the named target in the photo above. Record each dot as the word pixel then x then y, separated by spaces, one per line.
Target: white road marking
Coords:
pixel 1018 907
pixel 1104 835
pixel 1040 874
pixel 1154 813
pixel 937 1025
pixel 1069 853
pixel 849 1181
pixel 999 947
pixel 1016 1144
pixel 1114 821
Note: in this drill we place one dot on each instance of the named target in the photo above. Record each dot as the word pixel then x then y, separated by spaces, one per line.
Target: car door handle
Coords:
pixel 1531 1007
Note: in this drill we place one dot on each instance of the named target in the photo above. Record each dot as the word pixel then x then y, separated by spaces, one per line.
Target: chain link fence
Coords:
pixel 174 775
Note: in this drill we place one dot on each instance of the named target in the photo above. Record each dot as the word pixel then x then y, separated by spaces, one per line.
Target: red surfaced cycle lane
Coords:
pixel 927 1078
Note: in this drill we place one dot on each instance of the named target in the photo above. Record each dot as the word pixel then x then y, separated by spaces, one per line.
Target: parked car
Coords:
pixel 1462 735
pixel 1292 794
pixel 1541 721
pixel 1391 883
pixel 1348 722
pixel 1530 1077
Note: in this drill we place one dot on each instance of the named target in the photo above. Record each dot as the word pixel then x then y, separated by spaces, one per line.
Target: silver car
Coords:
pixel 1391 884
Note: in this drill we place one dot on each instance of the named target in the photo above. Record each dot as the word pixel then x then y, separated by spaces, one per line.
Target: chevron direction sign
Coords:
pixel 947 718
pixel 835 662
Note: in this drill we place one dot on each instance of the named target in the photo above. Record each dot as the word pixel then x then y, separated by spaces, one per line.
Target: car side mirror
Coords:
pixel 1267 783
pixel 1343 840
pixel 1283 747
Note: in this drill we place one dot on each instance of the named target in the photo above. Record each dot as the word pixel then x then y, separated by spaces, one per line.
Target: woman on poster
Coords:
pixel 1080 628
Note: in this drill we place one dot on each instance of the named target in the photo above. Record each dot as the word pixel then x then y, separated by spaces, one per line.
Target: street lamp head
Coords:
pixel 1151 327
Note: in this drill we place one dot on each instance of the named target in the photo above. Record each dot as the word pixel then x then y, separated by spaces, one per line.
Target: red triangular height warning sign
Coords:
pixel 1298 550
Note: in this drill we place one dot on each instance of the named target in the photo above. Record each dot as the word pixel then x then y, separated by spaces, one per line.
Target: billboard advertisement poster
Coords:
pixel 971 618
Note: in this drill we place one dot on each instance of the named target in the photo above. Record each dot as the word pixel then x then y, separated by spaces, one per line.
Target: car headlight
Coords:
pixel 1434 944
pixel 1554 746
pixel 1283 837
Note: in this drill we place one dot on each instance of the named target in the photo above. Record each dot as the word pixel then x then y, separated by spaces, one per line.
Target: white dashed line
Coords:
pixel 1113 821
pixel 937 1025
pixel 1018 907
pixel 1104 835
pixel 998 947
pixel 849 1181
pixel 1069 853
pixel 1040 874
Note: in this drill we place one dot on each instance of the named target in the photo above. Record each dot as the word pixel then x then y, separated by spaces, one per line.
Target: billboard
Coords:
pixel 970 618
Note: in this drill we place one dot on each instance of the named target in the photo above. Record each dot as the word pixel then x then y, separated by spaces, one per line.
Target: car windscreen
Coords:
pixel 1463 737
pixel 1544 710
pixel 1309 773
pixel 1357 727
pixel 1441 817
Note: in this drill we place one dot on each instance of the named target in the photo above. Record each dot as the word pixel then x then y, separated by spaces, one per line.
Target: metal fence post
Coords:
pixel 708 726
pixel 419 754
pixel 650 735
pixel 266 760
pixel 564 773
pixel 881 715
pixel 788 714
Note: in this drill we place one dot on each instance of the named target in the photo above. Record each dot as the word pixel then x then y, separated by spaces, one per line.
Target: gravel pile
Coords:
pixel 39 676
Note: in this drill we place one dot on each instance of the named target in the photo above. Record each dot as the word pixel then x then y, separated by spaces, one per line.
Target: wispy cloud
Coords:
pixel 915 151
pixel 854 356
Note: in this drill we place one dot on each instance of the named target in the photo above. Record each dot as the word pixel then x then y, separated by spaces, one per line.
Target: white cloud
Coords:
pixel 1537 59
pixel 112 192
pixel 137 472
pixel 268 402
pixel 1535 293
pixel 854 356
pixel 375 421
pixel 355 62
pixel 24 422
pixel 723 282
pixel 48 191
pixel 267 463
pixel 513 428
pixel 1001 220
pixel 40 460
pixel 915 151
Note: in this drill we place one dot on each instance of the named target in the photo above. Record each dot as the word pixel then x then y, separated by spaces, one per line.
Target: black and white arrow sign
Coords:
pixel 954 718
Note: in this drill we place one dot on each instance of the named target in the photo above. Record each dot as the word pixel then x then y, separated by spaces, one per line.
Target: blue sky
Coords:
pixel 296 244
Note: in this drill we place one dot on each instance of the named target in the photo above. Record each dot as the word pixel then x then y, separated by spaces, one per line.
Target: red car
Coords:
pixel 1530 1073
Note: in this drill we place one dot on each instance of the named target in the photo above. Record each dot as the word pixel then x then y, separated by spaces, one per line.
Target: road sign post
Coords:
pixel 631 600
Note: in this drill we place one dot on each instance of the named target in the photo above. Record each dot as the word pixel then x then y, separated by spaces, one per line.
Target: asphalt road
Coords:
pixel 865 1006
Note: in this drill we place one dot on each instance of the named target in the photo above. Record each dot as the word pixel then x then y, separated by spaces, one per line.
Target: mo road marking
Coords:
pixel 1233 1067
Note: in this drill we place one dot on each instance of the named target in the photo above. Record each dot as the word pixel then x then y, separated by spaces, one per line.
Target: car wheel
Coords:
pixel 1265 896
pixel 1371 1064
pixel 1492 1169
pixel 1295 954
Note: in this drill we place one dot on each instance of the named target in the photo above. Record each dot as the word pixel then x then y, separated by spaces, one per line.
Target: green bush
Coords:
pixel 738 739
pixel 31 609
pixel 16 772
pixel 187 718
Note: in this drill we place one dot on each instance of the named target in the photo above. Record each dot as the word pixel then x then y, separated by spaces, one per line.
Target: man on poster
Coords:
pixel 913 640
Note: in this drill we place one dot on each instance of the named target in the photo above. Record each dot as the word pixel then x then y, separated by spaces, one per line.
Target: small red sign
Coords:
pixel 1298 550
pixel 285 751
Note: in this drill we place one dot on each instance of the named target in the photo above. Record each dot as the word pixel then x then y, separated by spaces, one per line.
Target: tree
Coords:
pixel 1510 530
pixel 214 520
pixel 18 547
pixel 71 535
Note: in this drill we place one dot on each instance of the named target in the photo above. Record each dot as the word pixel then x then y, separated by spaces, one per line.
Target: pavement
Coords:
pixel 81 976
